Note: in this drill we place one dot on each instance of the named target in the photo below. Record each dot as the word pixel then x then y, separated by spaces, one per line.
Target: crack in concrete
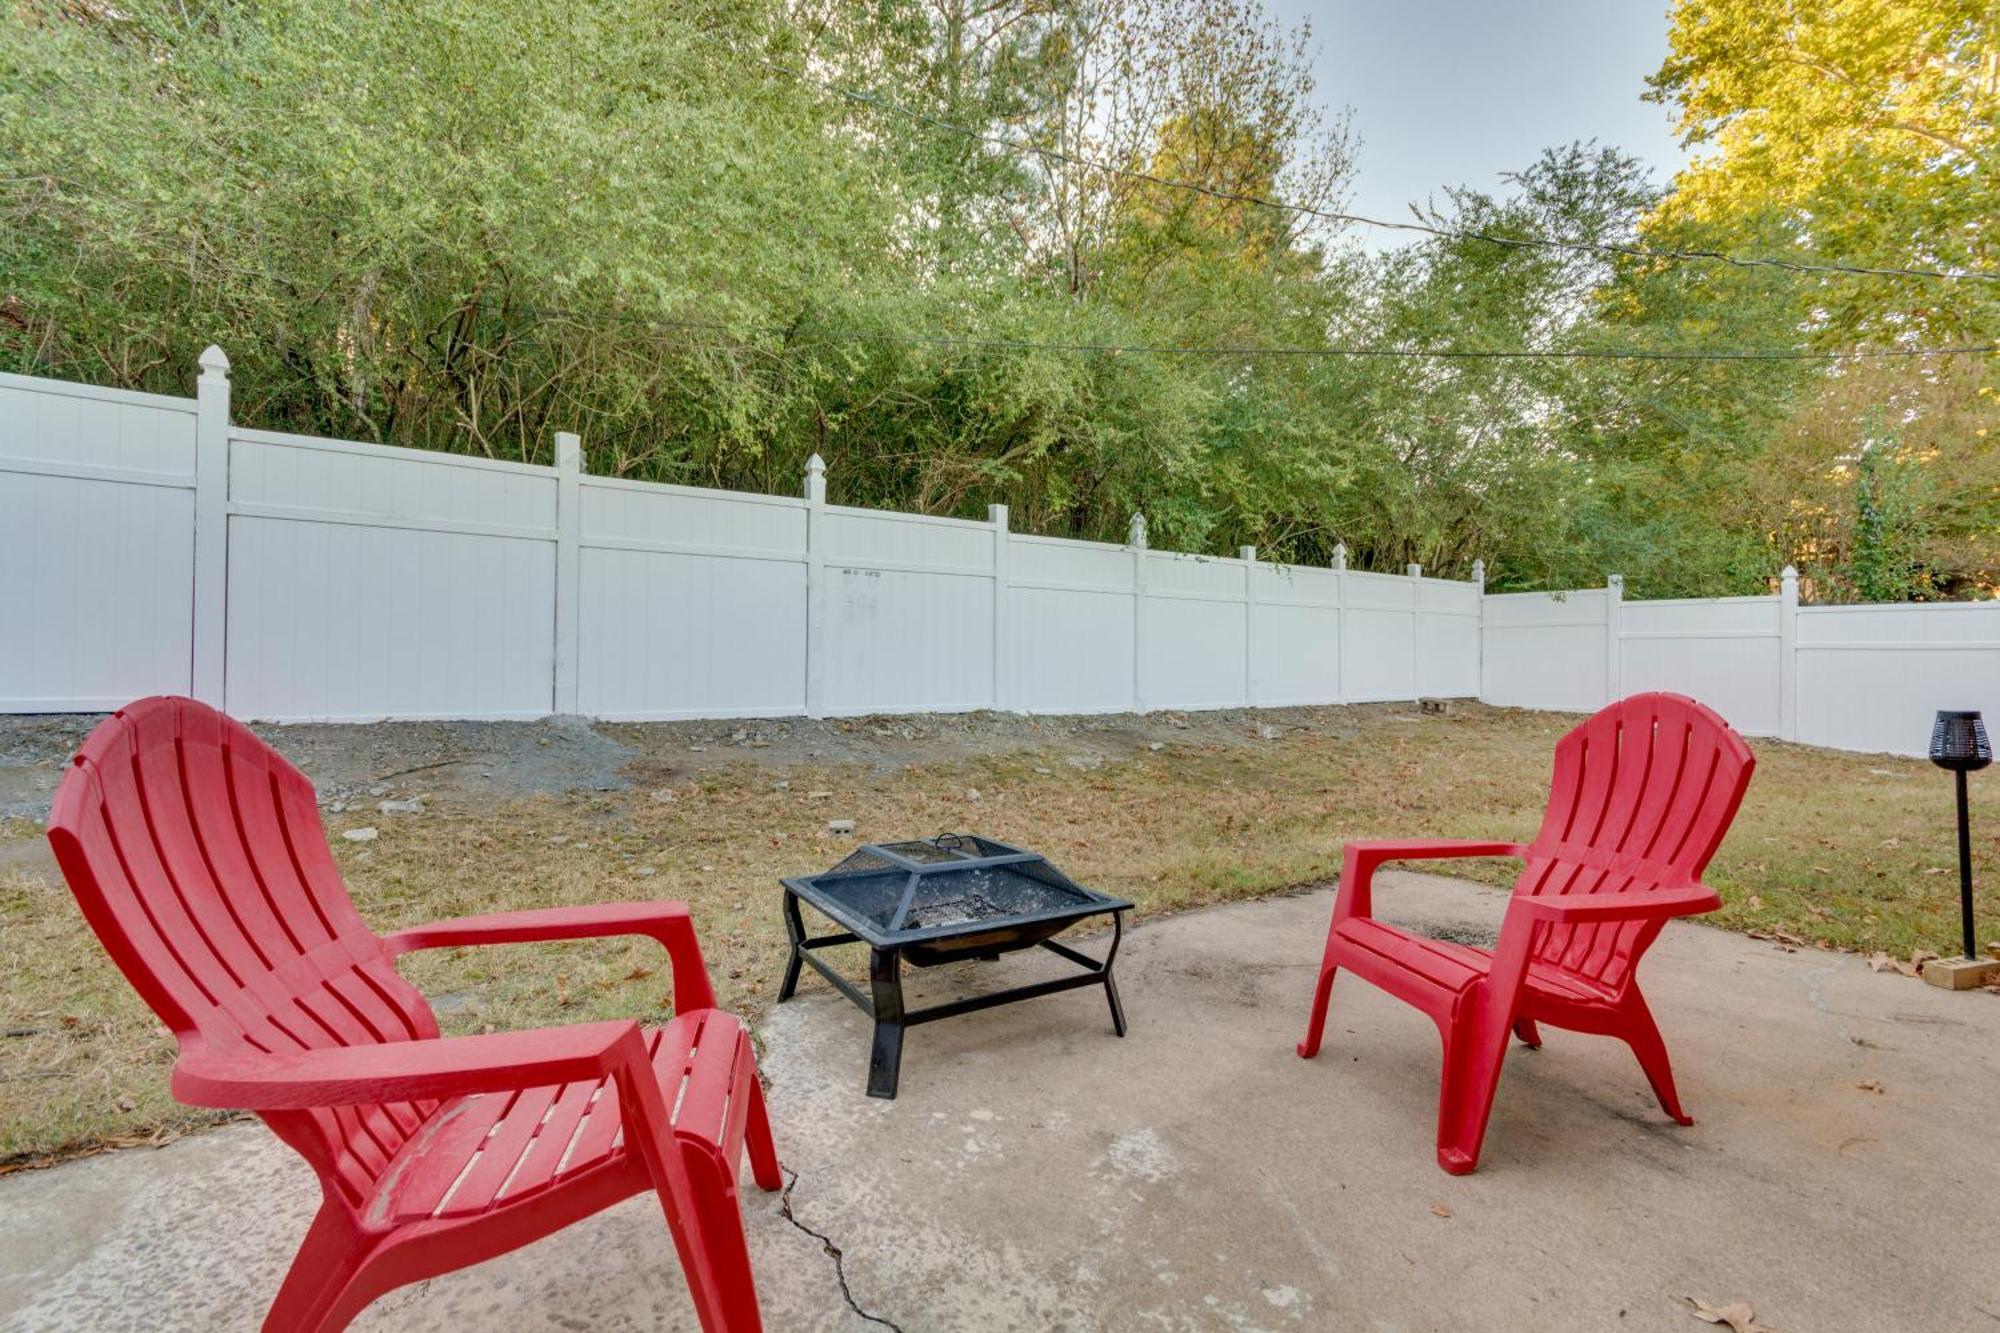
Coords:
pixel 1817 999
pixel 833 1251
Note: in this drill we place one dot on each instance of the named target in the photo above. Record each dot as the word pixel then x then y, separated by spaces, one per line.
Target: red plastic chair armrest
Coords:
pixel 544 923
pixel 1360 860
pixel 1632 905
pixel 1426 849
pixel 667 922
pixel 401 1071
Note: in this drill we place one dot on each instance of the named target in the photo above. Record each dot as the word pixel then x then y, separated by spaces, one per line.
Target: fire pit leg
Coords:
pixel 885 984
pixel 1111 986
pixel 795 930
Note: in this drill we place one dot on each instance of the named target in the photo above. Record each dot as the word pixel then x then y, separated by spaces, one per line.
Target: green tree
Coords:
pixel 1869 130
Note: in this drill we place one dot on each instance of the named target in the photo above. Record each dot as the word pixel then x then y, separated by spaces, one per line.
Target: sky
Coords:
pixel 1454 92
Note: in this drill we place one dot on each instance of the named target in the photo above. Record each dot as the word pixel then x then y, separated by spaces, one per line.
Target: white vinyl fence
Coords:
pixel 1867 678
pixel 148 544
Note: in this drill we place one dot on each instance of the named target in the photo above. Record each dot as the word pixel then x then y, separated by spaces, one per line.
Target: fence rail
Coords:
pixel 148 544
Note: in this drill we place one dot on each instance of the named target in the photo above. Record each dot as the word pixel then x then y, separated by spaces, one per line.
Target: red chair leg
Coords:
pixel 1530 1035
pixel 724 1288
pixel 1474 1048
pixel 1642 1034
pixel 1316 1024
pixel 757 1139
pixel 318 1294
pixel 684 1177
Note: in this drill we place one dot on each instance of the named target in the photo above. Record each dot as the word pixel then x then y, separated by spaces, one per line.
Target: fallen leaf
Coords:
pixel 1871 1085
pixel 1880 962
pixel 1754 903
pixel 1915 967
pixel 1738 1315
pixel 1440 1210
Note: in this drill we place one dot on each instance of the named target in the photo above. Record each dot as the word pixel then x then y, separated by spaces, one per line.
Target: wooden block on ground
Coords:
pixel 1961 973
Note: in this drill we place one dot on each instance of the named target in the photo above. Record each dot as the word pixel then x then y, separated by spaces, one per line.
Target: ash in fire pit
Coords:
pixel 930 901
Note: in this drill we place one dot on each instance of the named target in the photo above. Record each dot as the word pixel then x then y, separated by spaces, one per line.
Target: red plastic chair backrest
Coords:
pixel 1642 795
pixel 197 855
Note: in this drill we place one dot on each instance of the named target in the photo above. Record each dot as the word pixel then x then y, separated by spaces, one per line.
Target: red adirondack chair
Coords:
pixel 1642 796
pixel 197 853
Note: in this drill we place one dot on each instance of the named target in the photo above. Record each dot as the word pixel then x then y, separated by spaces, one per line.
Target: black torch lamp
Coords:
pixel 1958 743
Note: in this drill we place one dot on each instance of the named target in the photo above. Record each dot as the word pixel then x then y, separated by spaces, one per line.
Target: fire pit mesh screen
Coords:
pixel 876 897
pixel 862 861
pixel 950 880
pixel 984 894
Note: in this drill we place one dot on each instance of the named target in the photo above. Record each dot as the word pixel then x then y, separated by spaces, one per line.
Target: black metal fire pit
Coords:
pixel 933 901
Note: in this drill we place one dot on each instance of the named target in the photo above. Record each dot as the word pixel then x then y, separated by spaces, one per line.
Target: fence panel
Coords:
pixel 692 603
pixel 1071 648
pixel 1297 634
pixel 1378 638
pixel 1544 650
pixel 97 545
pixel 1725 651
pixel 1447 629
pixel 1873 677
pixel 370 582
pixel 1194 636
pixel 908 603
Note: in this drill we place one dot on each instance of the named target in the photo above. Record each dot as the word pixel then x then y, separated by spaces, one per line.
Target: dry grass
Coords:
pixel 1841 850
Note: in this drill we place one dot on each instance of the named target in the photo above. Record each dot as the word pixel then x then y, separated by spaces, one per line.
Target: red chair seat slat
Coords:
pixel 1452 967
pixel 485 1152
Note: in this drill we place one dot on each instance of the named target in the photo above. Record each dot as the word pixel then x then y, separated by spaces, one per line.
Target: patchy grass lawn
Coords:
pixel 1843 851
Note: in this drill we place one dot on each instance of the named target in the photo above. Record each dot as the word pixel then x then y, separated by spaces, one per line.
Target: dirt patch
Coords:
pixel 33 751
pixel 498 761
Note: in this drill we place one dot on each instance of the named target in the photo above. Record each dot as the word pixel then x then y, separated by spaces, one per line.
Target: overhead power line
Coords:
pixel 1014 145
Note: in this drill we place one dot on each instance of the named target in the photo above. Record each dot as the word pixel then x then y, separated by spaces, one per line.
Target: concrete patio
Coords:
pixel 1037 1173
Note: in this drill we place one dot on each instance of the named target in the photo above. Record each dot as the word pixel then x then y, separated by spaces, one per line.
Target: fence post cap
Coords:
pixel 1248 553
pixel 997 515
pixel 1614 581
pixel 816 464
pixel 1479 571
pixel 214 361
pixel 1340 555
pixel 569 449
pixel 1136 534
pixel 1790 574
pixel 1415 570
